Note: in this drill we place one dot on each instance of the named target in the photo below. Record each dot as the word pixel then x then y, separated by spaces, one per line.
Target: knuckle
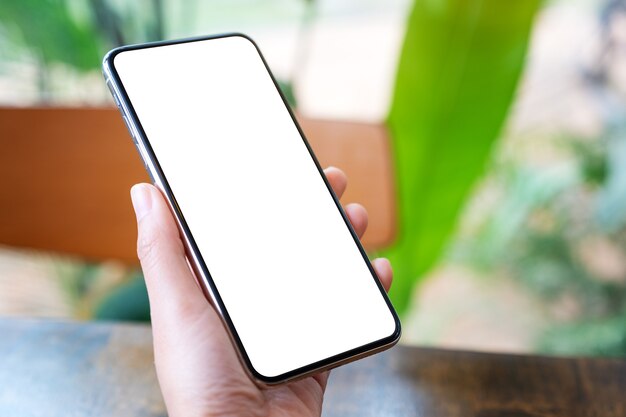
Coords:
pixel 155 243
pixel 148 243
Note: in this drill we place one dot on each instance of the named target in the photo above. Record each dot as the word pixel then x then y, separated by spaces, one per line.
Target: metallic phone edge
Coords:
pixel 192 258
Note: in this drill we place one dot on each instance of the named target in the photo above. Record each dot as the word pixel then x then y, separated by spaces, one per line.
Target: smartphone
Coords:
pixel 265 235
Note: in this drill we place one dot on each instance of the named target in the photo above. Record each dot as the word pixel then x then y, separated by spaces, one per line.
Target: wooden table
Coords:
pixel 50 368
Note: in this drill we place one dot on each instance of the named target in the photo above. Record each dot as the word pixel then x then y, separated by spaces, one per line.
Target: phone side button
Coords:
pixel 130 129
pixel 112 90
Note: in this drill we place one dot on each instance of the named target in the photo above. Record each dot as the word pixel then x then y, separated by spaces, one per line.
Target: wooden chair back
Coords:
pixel 65 175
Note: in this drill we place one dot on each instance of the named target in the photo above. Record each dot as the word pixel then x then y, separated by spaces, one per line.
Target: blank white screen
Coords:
pixel 283 261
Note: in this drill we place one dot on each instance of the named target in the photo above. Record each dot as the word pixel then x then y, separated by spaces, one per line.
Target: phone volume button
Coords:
pixel 112 90
pixel 117 101
pixel 129 127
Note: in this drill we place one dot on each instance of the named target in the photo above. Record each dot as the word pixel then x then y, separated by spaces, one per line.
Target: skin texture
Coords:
pixel 197 366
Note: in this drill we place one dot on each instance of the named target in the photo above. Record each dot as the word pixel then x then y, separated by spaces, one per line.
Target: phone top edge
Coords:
pixel 109 57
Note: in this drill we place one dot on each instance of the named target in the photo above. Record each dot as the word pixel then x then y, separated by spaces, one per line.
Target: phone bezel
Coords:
pixel 194 256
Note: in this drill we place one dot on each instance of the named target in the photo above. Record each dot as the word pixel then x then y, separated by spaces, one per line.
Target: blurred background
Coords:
pixel 487 140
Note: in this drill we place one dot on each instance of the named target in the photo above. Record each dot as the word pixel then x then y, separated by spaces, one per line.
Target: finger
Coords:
pixel 358 218
pixel 337 179
pixel 382 266
pixel 322 379
pixel 171 285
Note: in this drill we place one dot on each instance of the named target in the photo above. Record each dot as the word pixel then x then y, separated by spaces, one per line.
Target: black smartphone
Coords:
pixel 265 235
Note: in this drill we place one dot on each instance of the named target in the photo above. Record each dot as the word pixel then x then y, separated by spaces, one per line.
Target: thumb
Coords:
pixel 171 285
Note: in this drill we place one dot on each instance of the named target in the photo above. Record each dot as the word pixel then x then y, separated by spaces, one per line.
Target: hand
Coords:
pixel 197 366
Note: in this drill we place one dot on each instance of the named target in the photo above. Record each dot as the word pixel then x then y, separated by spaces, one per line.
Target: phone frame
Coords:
pixel 194 257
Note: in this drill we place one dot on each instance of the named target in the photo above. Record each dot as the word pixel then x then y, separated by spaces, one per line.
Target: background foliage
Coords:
pixel 456 78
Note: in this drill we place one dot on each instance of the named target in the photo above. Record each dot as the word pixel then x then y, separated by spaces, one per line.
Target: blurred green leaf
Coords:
pixel 286 88
pixel 457 75
pixel 527 191
pixel 603 337
pixel 128 302
pixel 50 30
pixel 610 213
pixel 592 157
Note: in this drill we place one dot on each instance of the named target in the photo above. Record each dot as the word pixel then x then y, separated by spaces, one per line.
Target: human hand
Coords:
pixel 197 366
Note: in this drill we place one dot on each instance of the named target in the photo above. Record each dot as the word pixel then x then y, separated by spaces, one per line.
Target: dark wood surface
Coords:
pixel 65 175
pixel 50 368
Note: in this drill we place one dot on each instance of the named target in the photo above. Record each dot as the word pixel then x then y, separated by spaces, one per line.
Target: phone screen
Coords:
pixel 292 279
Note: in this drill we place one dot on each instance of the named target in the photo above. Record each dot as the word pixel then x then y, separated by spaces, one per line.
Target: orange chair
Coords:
pixel 65 174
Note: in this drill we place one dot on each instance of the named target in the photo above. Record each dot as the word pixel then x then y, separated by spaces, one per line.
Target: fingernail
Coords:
pixel 383 261
pixel 142 200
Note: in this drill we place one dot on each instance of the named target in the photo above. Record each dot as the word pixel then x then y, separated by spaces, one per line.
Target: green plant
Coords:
pixel 128 301
pixel 543 231
pixel 77 34
pixel 52 32
pixel 457 75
